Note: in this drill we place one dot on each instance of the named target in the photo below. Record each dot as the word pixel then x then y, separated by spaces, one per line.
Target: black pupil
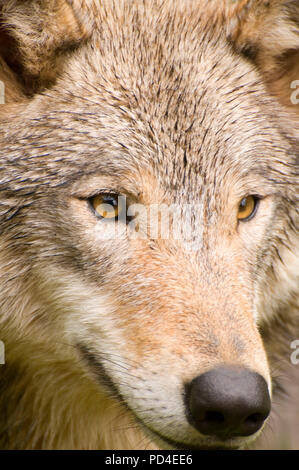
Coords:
pixel 111 201
pixel 243 204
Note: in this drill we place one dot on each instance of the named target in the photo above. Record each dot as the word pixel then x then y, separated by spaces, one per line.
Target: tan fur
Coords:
pixel 169 102
pixel 13 89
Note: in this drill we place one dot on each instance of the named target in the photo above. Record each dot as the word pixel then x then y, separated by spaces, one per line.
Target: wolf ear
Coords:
pixel 267 32
pixel 35 36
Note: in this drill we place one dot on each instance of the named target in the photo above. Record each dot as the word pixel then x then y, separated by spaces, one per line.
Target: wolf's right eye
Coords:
pixel 247 208
pixel 107 206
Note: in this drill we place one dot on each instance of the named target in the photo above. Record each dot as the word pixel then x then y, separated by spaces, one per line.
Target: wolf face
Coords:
pixel 117 336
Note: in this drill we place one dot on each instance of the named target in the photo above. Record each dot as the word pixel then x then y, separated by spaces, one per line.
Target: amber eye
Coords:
pixel 247 208
pixel 106 206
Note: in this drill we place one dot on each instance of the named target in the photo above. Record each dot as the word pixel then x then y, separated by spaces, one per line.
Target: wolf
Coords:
pixel 115 341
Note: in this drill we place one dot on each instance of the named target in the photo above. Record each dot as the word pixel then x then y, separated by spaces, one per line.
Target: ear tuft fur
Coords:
pixel 267 32
pixel 34 36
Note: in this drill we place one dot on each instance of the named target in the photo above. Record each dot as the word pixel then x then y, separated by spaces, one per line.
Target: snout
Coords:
pixel 228 402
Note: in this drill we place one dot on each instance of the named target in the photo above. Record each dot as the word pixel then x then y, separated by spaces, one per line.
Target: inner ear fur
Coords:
pixel 35 36
pixel 267 32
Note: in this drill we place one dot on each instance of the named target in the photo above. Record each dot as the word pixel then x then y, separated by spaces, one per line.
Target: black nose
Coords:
pixel 228 402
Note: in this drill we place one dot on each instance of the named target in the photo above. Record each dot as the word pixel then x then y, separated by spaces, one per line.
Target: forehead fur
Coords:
pixel 157 86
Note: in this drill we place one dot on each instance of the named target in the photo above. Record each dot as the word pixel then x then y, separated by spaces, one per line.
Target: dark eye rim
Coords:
pixel 257 200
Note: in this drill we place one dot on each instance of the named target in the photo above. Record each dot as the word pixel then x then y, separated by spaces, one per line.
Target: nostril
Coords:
pixel 214 417
pixel 252 423
pixel 256 418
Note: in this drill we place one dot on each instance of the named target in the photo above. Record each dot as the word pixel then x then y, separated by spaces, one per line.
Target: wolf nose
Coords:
pixel 228 402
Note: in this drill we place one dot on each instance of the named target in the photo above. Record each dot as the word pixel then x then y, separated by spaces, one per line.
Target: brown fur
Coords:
pixel 170 101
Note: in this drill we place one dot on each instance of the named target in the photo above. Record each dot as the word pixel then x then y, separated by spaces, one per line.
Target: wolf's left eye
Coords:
pixel 247 208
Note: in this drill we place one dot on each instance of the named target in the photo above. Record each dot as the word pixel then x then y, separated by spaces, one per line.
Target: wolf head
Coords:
pixel 117 334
